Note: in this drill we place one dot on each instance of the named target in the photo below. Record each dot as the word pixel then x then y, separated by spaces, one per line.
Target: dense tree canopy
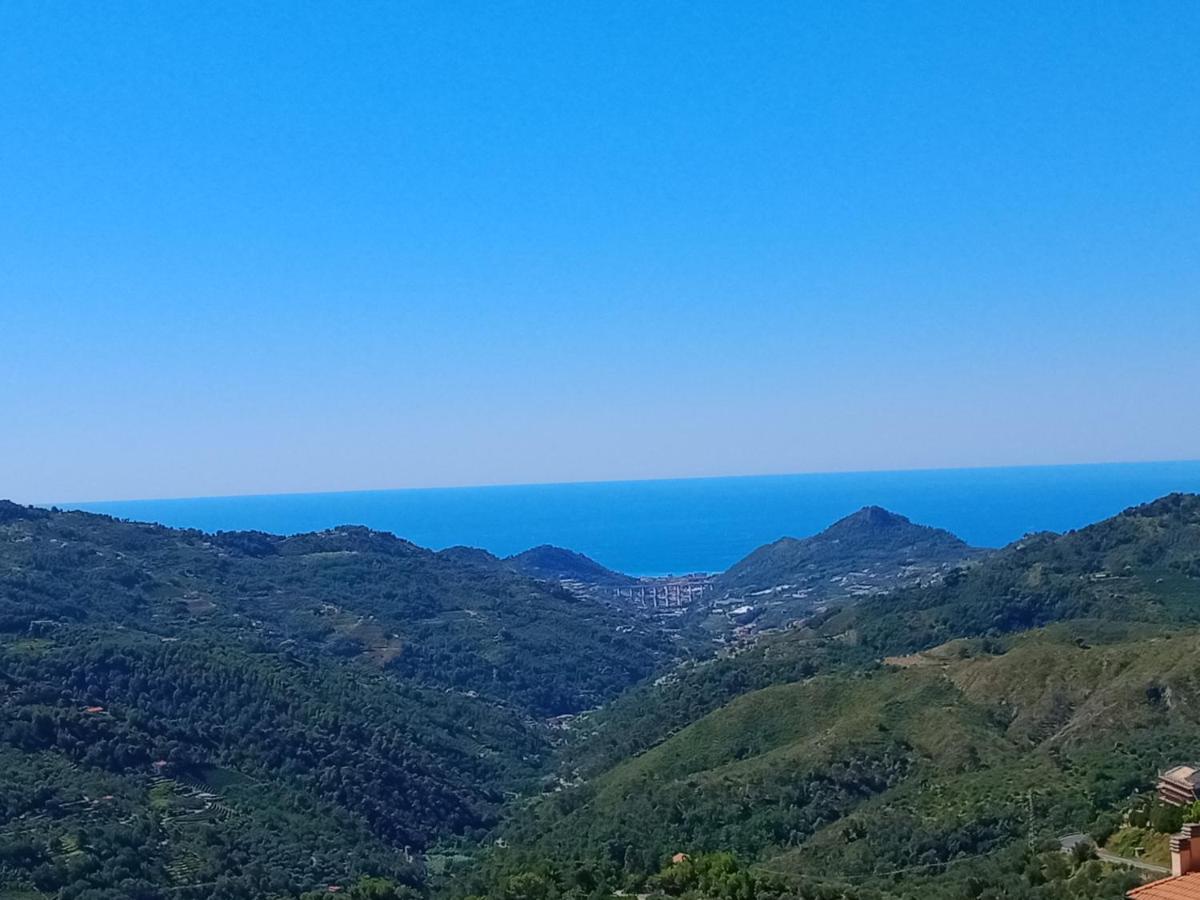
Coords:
pixel 236 716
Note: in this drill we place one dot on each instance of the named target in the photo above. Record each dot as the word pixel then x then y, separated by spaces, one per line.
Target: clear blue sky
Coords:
pixel 299 246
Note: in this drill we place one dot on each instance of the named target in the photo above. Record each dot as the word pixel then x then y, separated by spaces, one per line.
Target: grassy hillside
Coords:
pixel 955 725
pixel 653 710
pixel 960 754
pixel 1140 566
pixel 255 715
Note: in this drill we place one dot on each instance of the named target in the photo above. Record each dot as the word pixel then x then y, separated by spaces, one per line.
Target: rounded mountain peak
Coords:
pixel 871 517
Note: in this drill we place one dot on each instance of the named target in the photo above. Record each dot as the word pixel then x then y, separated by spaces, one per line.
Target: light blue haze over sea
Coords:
pixel 695 524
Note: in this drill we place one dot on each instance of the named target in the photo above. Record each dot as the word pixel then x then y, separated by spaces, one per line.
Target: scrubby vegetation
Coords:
pixel 244 715
pixel 1142 565
pixel 940 729
pixel 872 538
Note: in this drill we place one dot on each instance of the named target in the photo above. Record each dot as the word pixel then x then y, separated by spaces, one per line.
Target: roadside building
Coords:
pixel 1179 786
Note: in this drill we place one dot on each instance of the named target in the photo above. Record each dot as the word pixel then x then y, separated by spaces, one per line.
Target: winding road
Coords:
pixel 1069 842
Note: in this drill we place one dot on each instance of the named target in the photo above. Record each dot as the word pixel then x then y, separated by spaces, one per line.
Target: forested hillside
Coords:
pixel 257 715
pixel 246 715
pixel 559 564
pixel 870 539
pixel 950 764
pixel 1142 565
pixel 938 734
pixel 349 592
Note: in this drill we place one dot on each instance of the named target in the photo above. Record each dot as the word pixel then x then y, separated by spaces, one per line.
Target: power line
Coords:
pixel 866 875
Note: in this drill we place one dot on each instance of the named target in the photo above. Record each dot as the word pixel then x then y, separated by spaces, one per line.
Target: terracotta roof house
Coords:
pixel 1184 887
pixel 1184 883
pixel 1179 786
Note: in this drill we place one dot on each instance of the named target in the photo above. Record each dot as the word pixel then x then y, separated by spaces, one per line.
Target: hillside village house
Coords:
pixel 1178 786
pixel 1184 882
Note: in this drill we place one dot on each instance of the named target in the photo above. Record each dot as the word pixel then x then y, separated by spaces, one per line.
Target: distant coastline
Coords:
pixel 659 527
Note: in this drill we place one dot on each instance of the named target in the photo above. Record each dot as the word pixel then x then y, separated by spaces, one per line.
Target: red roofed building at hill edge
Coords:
pixel 1184 883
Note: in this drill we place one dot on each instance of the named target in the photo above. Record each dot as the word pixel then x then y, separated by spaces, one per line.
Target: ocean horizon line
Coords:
pixel 594 482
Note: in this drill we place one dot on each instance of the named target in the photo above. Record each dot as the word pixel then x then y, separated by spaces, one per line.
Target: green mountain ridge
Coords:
pixel 558 564
pixel 954 726
pixel 934 759
pixel 244 715
pixel 871 537
pixel 273 714
pixel 1141 565
pixel 869 552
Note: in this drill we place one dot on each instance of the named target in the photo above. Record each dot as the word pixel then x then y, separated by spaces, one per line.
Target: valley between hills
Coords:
pixel 877 711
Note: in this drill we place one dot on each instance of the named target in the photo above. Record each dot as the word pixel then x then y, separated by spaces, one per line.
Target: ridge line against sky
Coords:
pixel 916 470
pixel 247 249
pixel 690 525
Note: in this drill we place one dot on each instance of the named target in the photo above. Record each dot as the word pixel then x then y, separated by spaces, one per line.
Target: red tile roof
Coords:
pixel 1181 887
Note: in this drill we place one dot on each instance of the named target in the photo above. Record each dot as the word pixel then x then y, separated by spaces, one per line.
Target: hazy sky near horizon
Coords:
pixel 298 246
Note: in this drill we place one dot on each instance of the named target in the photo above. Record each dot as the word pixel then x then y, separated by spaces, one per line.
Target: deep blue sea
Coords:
pixel 695 524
